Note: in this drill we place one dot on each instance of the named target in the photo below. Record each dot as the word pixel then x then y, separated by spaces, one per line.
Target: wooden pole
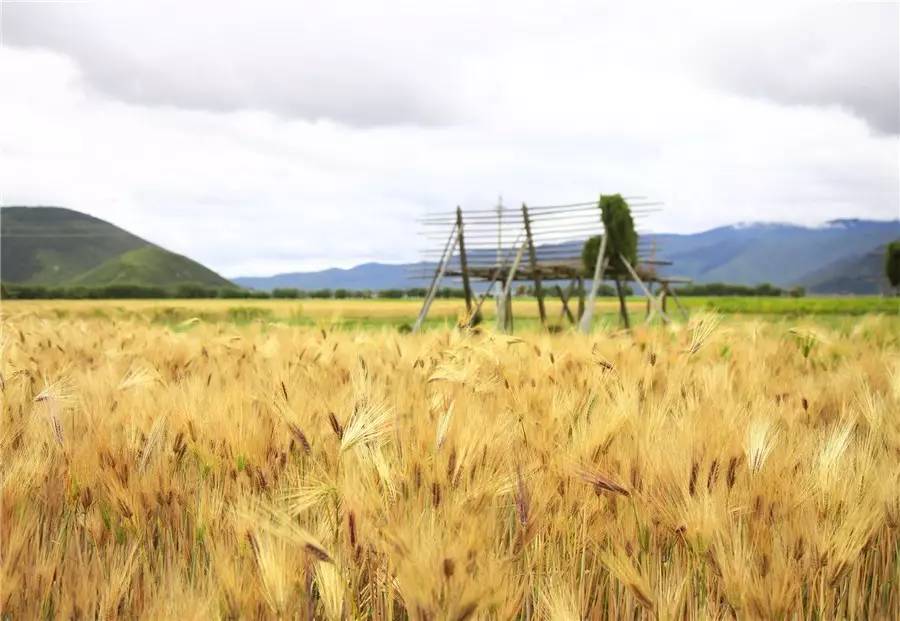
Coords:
pixel 436 280
pixel 580 286
pixel 538 290
pixel 641 284
pixel 588 316
pixel 495 276
pixel 564 297
pixel 623 308
pixel 463 263
pixel 681 308
pixel 507 297
pixel 471 320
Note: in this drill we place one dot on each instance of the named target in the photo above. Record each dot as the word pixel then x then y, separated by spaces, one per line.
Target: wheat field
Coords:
pixel 739 469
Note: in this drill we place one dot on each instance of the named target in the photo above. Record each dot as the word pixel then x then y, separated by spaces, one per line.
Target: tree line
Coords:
pixel 189 291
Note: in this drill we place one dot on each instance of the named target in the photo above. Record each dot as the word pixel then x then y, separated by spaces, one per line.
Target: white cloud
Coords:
pixel 840 54
pixel 290 138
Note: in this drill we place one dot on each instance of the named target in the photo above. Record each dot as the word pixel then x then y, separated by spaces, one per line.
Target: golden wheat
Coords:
pixel 714 470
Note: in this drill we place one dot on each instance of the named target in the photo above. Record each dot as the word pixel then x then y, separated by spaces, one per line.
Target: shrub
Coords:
pixel 892 263
pixel 288 293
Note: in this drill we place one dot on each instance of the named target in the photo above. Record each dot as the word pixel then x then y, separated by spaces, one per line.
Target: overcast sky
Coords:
pixel 262 137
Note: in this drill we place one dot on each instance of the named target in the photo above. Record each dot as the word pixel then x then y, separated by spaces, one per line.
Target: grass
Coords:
pixel 149 266
pixel 367 314
pixel 242 467
pixel 47 246
pixel 851 305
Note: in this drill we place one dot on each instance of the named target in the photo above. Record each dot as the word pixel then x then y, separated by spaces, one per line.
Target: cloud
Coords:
pixel 350 64
pixel 418 64
pixel 201 128
pixel 845 55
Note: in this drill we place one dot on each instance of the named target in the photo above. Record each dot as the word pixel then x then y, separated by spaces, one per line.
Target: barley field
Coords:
pixel 244 468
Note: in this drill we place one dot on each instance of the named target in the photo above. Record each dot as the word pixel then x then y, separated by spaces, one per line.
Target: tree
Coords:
pixel 619 226
pixel 589 253
pixel 286 292
pixel 192 290
pixel 892 263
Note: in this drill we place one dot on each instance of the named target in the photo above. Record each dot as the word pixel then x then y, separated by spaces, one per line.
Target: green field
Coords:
pixel 797 306
pixel 376 313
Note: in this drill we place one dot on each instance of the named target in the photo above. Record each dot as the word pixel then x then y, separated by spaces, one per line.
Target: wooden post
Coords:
pixel 507 322
pixel 681 308
pixel 496 273
pixel 471 321
pixel 641 284
pixel 436 280
pixel 564 297
pixel 580 286
pixel 588 316
pixel 538 290
pixel 463 263
pixel 623 308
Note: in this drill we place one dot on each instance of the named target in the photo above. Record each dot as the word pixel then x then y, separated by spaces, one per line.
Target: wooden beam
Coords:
pixel 580 285
pixel 471 319
pixel 506 297
pixel 538 291
pixel 587 316
pixel 438 275
pixel 623 307
pixel 564 297
pixel 494 273
pixel 641 284
pixel 681 308
pixel 463 263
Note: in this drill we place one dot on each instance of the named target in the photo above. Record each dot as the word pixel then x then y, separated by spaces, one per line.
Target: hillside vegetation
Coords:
pixel 53 246
pixel 151 265
pixel 265 471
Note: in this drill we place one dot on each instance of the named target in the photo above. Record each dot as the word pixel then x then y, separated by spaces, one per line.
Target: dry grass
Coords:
pixel 269 471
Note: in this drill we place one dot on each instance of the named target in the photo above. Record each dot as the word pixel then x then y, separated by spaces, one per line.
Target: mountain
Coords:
pixel 859 274
pixel 54 246
pixel 781 254
pixel 375 276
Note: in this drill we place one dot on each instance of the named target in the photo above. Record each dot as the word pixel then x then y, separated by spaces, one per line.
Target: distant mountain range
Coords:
pixel 780 254
pixel 841 256
pixel 374 276
pixel 53 246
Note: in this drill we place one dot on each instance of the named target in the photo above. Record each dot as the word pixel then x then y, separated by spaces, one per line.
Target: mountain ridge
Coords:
pixel 57 246
pixel 780 253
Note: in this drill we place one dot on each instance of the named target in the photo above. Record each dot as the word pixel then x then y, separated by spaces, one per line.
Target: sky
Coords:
pixel 265 137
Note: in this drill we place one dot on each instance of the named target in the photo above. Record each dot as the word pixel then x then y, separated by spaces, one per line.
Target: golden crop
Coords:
pixel 267 471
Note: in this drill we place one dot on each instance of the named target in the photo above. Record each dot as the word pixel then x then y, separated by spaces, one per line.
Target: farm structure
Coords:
pixel 544 245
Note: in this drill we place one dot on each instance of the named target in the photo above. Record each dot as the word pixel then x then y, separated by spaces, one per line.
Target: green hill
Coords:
pixel 53 246
pixel 149 265
pixel 859 274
